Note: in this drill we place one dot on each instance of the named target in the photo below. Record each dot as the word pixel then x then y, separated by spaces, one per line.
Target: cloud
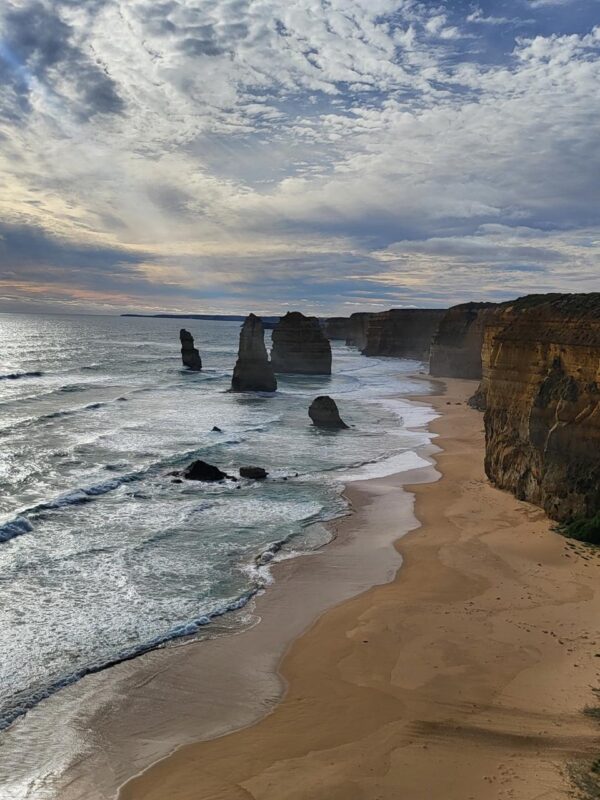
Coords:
pixel 233 151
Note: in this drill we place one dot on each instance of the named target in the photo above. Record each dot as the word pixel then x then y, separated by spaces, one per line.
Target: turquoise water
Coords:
pixel 102 556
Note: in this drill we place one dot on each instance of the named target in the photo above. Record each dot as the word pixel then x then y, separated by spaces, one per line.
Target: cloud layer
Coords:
pixel 242 155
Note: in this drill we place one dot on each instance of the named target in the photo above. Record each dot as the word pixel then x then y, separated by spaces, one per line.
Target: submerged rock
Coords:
pixel 324 413
pixel 189 354
pixel 253 371
pixel 202 471
pixel 255 473
pixel 300 346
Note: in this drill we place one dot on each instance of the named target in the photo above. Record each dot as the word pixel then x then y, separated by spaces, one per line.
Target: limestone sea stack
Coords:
pixel 253 371
pixel 189 354
pixel 457 344
pixel 324 413
pixel 300 346
pixel 403 333
pixel 541 386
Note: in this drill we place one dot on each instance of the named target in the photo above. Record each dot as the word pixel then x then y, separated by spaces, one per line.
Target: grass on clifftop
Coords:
pixel 584 530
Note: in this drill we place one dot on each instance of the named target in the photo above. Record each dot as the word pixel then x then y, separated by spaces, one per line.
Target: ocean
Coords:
pixel 104 557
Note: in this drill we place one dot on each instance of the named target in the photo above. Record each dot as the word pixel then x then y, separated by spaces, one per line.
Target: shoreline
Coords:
pixel 475 660
pixel 134 714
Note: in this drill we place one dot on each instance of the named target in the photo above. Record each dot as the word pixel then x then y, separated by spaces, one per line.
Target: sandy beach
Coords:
pixel 464 677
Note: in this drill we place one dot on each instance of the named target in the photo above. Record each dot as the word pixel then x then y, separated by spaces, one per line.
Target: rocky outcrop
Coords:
pixel 253 371
pixel 300 346
pixel 336 327
pixel 357 329
pixel 403 333
pixel 541 384
pixel 457 344
pixel 324 413
pixel 189 354
pixel 202 471
pixel 254 473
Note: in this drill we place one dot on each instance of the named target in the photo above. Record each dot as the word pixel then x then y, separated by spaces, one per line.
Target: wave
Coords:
pixel 185 630
pixel 23 522
pixel 15 376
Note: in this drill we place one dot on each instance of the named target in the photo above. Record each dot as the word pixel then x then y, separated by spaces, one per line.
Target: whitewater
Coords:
pixel 104 557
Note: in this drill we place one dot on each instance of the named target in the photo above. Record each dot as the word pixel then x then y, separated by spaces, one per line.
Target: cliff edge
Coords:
pixel 541 389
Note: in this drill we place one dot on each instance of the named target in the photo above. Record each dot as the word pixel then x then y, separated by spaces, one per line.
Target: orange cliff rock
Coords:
pixel 541 393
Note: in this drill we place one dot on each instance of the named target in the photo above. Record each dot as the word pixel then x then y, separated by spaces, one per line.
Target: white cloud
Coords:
pixel 309 129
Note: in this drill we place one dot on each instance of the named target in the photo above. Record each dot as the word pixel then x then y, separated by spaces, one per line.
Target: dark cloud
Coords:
pixel 38 45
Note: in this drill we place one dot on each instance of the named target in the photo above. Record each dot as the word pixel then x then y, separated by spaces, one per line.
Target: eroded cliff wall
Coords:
pixel 457 344
pixel 403 333
pixel 336 327
pixel 541 385
pixel 357 329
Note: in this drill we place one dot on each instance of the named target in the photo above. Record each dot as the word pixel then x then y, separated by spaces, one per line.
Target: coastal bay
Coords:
pixel 465 677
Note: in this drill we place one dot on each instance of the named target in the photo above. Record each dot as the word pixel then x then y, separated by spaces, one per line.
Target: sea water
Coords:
pixel 102 555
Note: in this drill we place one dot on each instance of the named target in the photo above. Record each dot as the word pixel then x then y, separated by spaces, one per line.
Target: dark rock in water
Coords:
pixel 324 413
pixel 216 429
pixel 189 354
pixel 300 346
pixel 255 473
pixel 201 471
pixel 176 480
pixel 253 371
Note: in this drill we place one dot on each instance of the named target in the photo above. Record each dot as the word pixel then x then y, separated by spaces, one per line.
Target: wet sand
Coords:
pixel 118 722
pixel 464 677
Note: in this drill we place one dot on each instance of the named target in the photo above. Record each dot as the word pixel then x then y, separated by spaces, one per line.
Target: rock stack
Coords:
pixel 189 354
pixel 324 413
pixel 300 346
pixel 253 371
pixel 336 327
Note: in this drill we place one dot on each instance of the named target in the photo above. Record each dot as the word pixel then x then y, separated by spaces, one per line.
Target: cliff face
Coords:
pixel 457 344
pixel 253 371
pixel 336 327
pixel 357 329
pixel 541 384
pixel 404 333
pixel 300 346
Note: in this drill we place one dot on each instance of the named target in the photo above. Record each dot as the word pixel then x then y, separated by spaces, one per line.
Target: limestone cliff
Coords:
pixel 336 327
pixel 300 346
pixel 541 383
pixel 457 344
pixel 357 329
pixel 253 371
pixel 190 356
pixel 404 333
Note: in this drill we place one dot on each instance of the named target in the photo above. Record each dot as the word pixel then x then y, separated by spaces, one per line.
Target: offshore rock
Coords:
pixel 357 329
pixel 253 371
pixel 202 471
pixel 324 413
pixel 255 473
pixel 300 346
pixel 189 354
pixel 541 383
pixel 403 333
pixel 457 344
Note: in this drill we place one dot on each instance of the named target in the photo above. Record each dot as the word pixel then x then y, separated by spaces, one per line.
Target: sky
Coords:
pixel 324 155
